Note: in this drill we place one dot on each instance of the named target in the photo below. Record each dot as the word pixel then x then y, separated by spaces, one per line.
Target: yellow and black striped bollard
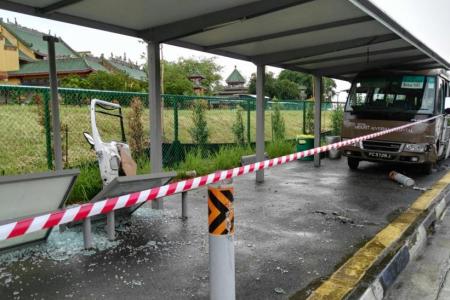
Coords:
pixel 221 241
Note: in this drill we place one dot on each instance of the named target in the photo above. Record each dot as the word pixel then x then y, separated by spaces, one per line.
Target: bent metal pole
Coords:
pixel 80 212
pixel 221 242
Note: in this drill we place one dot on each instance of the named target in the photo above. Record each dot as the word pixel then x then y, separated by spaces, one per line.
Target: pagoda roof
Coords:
pixel 235 77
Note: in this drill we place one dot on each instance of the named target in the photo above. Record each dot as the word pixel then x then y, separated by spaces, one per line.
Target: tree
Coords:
pixel 309 117
pixel 288 85
pixel 199 130
pixel 136 127
pixel 269 85
pixel 278 124
pixel 337 120
pixel 176 75
pixel 176 81
pixel 286 89
pixel 302 79
pixel 329 86
pixel 101 80
pixel 238 128
pixel 207 67
pixel 74 81
pixel 306 81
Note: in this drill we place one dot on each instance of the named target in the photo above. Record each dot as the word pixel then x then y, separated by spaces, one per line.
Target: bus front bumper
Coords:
pixel 382 156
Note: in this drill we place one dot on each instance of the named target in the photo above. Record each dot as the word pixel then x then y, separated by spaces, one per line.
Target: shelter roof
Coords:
pixel 335 38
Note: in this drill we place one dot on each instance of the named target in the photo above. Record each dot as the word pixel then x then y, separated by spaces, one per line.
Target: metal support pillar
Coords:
pixel 87 233
pixel 51 40
pixel 221 242
pixel 260 74
pixel 110 226
pixel 154 97
pixel 317 116
pixel 184 214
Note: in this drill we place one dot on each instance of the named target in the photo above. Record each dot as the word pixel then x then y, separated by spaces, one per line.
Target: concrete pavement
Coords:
pixel 428 277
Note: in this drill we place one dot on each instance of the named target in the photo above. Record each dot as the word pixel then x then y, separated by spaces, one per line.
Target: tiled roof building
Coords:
pixel 23 58
pixel 33 39
pixel 133 70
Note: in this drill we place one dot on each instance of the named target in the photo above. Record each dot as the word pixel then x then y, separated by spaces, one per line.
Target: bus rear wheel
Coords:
pixel 353 163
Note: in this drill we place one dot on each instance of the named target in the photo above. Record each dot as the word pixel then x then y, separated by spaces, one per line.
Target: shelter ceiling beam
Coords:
pixel 192 46
pixel 376 64
pixel 426 67
pixel 190 26
pixel 287 55
pixel 418 65
pixel 57 5
pixel 356 55
pixel 306 71
pixel 292 32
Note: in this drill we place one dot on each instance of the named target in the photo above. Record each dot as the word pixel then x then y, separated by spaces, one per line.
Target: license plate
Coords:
pixel 379 155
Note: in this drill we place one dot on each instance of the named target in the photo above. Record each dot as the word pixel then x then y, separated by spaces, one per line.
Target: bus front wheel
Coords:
pixel 353 163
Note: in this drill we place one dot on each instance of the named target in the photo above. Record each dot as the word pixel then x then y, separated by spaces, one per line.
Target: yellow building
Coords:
pixel 20 46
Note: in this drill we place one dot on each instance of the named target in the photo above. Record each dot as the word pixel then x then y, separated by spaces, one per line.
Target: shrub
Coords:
pixel 238 128
pixel 229 157
pixel 278 125
pixel 280 148
pixel 199 130
pixel 143 164
pixel 226 158
pixel 309 118
pixel 136 128
pixel 88 184
pixel 195 160
pixel 337 120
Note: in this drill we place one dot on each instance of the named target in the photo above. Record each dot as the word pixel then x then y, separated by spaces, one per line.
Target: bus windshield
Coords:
pixel 394 93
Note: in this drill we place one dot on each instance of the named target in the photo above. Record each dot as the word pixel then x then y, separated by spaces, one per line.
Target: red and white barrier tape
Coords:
pixel 77 213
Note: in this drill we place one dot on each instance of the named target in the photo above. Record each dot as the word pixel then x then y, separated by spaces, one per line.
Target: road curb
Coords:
pixel 374 268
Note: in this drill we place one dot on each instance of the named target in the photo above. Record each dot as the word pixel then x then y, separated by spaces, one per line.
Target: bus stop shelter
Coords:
pixel 333 38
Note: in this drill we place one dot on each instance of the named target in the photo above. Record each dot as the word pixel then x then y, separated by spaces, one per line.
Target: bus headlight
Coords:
pixel 416 148
pixel 352 144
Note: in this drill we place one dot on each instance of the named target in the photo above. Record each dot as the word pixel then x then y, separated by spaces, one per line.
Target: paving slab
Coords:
pixel 427 277
pixel 292 231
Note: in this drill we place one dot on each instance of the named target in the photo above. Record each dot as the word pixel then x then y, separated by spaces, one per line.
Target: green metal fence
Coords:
pixel 25 124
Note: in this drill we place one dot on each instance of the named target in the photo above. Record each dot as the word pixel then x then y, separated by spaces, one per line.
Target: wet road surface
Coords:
pixel 291 232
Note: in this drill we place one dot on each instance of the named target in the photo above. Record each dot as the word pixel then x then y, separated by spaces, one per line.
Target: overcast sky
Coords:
pixel 428 20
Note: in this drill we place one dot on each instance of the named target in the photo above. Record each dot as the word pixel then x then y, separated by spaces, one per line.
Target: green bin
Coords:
pixel 305 142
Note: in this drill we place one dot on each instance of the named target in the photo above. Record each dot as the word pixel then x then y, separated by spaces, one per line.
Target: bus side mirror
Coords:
pixel 447 105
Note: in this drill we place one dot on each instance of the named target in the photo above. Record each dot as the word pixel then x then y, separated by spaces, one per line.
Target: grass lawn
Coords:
pixel 23 137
